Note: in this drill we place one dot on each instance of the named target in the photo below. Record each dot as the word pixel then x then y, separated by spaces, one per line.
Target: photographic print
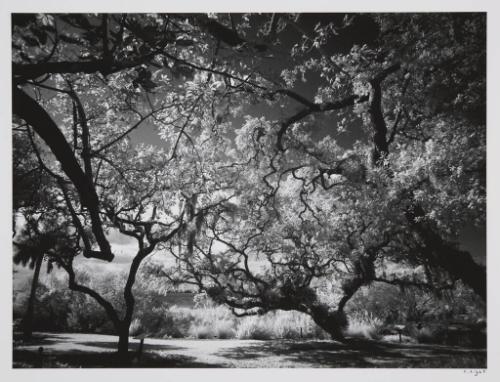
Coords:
pixel 249 190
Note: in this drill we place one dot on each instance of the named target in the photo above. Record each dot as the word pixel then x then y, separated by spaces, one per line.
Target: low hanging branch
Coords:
pixel 74 286
pixel 28 109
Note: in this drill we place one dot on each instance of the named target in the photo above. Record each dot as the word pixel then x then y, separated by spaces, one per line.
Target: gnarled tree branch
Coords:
pixel 28 109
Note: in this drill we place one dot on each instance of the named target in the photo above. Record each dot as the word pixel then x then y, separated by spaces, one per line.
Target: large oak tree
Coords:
pixel 365 129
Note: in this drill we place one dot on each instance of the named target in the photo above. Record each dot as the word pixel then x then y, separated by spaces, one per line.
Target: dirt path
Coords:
pixel 94 350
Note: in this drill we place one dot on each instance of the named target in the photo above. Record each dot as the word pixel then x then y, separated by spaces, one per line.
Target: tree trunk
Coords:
pixel 123 342
pixel 28 318
pixel 333 322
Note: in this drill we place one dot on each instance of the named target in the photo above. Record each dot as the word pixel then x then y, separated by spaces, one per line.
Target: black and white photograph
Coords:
pixel 248 190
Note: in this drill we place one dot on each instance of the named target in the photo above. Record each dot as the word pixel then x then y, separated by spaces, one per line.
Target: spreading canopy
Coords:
pixel 294 147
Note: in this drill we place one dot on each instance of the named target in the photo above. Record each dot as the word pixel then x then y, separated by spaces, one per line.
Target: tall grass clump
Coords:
pixel 212 322
pixel 252 327
pixel 279 324
pixel 135 327
pixel 364 325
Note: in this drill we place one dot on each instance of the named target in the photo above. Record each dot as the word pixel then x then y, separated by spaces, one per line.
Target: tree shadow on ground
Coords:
pixel 133 346
pixel 35 339
pixel 80 359
pixel 355 353
pixel 361 354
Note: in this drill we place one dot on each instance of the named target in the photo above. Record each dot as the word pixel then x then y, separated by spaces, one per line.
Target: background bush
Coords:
pixel 161 313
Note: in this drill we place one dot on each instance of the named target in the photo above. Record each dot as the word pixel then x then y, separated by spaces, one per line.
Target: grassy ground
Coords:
pixel 92 350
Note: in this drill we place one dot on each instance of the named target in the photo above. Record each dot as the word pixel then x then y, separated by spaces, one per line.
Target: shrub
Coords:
pixel 398 306
pixel 176 324
pixel 225 329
